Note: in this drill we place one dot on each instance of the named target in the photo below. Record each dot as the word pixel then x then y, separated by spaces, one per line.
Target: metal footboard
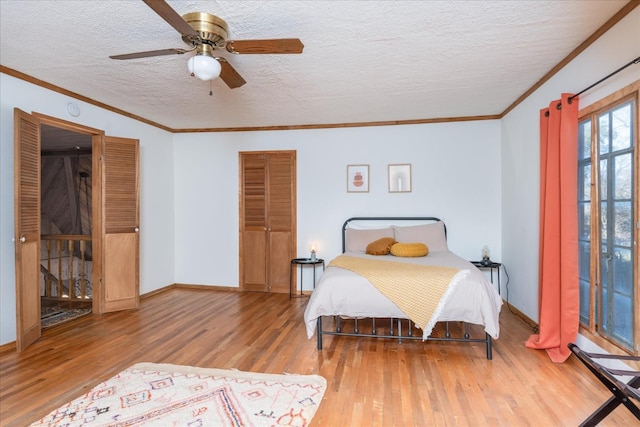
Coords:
pixel 395 332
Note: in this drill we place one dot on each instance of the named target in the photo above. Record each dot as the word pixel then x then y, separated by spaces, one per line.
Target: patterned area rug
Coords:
pixel 51 316
pixel 149 394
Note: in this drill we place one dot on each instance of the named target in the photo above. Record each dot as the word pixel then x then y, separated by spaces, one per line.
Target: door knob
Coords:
pixel 136 229
pixel 23 239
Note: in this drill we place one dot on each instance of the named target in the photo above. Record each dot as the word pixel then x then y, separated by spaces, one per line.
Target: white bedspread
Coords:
pixel 345 293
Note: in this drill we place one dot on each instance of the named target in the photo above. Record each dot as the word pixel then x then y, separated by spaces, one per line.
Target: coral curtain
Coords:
pixel 559 301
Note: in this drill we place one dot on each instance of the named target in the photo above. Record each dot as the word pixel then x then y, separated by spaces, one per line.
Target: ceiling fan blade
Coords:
pixel 171 16
pixel 265 46
pixel 149 53
pixel 229 75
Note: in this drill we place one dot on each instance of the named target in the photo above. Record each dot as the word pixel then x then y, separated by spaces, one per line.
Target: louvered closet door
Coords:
pixel 280 219
pixel 253 233
pixel 267 223
pixel 120 222
pixel 26 131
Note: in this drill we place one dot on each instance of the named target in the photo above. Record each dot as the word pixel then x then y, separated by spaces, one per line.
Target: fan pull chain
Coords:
pixel 210 87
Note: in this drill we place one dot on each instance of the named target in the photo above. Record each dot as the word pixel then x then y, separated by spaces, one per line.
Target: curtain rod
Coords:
pixel 635 61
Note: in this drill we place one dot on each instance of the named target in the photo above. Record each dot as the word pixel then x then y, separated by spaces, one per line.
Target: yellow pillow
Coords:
pixel 409 249
pixel 381 246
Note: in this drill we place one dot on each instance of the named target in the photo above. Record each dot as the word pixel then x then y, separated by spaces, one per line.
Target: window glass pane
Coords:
pixel 584 302
pixel 622 272
pixel 622 179
pixel 605 322
pixel 584 221
pixel 584 140
pixel 597 309
pixel 622 320
pixel 604 268
pixel 584 260
pixel 621 127
pixel 603 179
pixel 603 133
pixel 585 183
pixel 623 221
pixel 603 223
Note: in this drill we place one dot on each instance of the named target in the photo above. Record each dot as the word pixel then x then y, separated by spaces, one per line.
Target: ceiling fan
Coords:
pixel 206 33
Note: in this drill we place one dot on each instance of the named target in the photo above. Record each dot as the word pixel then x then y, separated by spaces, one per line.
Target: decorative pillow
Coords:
pixel 432 235
pixel 357 240
pixel 409 249
pixel 381 246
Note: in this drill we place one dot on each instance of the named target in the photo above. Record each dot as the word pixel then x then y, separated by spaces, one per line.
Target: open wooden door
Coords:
pixel 119 224
pixel 115 217
pixel 26 147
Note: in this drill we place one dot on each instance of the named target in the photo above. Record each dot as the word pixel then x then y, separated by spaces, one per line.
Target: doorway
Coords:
pixel 115 216
pixel 66 246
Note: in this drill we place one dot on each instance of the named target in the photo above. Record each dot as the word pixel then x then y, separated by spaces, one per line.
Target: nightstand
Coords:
pixel 491 266
pixel 302 262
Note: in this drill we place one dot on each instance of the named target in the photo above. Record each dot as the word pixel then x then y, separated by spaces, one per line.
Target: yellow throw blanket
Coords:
pixel 417 290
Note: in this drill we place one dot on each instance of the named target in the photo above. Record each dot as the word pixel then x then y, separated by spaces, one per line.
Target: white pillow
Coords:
pixel 432 235
pixel 358 240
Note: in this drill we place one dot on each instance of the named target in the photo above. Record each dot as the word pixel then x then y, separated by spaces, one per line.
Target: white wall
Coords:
pixel 156 184
pixel 189 188
pixel 455 176
pixel 520 150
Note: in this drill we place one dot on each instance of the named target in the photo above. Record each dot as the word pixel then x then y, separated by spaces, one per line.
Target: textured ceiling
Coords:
pixel 363 61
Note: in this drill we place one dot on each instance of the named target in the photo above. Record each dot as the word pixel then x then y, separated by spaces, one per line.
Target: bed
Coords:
pixel 363 303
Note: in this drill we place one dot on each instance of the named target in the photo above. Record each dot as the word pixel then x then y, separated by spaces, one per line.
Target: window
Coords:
pixel 608 221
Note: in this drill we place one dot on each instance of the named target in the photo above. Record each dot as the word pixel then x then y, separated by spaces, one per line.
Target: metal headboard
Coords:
pixel 388 218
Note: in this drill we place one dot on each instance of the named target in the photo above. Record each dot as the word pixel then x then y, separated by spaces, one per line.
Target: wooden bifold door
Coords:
pixel 115 221
pixel 267 219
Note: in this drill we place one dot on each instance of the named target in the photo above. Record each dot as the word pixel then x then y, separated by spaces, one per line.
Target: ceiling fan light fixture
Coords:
pixel 204 67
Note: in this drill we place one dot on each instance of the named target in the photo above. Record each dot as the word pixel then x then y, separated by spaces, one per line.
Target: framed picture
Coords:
pixel 357 178
pixel 400 178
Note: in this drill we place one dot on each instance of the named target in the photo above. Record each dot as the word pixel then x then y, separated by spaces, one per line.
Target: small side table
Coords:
pixel 302 262
pixel 491 266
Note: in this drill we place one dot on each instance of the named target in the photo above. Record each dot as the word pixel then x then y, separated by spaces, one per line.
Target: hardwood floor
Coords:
pixel 370 382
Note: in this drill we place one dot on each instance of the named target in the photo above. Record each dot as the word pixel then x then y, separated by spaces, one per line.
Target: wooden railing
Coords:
pixel 65 266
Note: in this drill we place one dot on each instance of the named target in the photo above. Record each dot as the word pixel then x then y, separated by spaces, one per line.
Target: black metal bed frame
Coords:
pixel 397 333
pixel 388 218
